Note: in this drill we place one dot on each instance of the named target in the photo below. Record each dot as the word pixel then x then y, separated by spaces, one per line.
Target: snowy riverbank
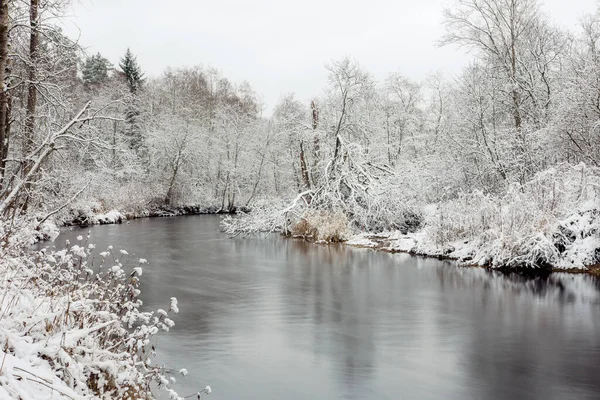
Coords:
pixel 551 222
pixel 570 245
pixel 89 215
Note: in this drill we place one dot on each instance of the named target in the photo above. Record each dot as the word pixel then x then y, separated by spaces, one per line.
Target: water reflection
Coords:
pixel 271 318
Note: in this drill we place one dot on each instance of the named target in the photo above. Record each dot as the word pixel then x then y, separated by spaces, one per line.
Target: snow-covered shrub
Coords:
pixel 79 316
pixel 365 197
pixel 18 233
pixel 552 220
pixel 92 213
pixel 395 206
pixel 266 215
pixel 322 226
pixel 578 238
pixel 129 193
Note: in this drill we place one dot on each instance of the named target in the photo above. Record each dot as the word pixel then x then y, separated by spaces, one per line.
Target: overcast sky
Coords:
pixel 280 46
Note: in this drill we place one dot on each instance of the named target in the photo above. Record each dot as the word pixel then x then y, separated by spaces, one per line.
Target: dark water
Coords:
pixel 269 318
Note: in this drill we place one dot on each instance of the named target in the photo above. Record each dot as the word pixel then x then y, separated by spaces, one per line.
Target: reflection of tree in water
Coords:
pixel 566 288
pixel 202 272
pixel 345 309
pixel 525 339
pixel 359 303
pixel 320 283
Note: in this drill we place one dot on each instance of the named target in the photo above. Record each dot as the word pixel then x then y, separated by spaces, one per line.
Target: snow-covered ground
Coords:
pixel 28 377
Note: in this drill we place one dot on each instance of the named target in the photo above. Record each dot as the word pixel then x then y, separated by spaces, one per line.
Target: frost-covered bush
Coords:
pixel 18 233
pixel 578 239
pixel 552 220
pixel 92 213
pixel 80 316
pixel 395 206
pixel 364 197
pixel 112 200
pixel 266 215
pixel 322 226
pixel 128 193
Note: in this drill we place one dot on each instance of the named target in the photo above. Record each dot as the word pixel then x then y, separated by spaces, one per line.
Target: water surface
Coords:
pixel 270 318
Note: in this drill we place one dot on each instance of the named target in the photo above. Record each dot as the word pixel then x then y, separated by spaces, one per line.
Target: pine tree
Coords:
pixel 132 71
pixel 135 77
pixel 133 125
pixel 95 69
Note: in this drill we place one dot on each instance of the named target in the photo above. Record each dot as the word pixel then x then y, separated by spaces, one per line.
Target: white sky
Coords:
pixel 281 46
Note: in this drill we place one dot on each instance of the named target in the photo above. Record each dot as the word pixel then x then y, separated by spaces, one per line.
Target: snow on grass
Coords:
pixel 27 378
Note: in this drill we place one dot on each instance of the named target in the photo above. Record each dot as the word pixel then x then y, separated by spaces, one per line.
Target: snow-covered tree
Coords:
pixel 95 69
pixel 132 71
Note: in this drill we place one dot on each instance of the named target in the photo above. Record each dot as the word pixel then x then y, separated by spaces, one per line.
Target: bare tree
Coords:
pixel 402 113
pixel 498 30
pixel 350 87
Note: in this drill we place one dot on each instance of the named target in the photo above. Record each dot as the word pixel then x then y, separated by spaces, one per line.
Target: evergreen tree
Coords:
pixel 132 71
pixel 133 124
pixel 95 69
pixel 133 129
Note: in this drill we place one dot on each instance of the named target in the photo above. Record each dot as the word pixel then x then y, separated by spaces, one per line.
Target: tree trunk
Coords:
pixel 259 176
pixel 34 39
pixel 225 189
pixel 114 143
pixel 168 198
pixel 4 96
pixel 294 170
pixel 513 65
pixel 303 167
pixel 338 142
pixel 389 141
pixel 28 137
pixel 316 144
pixel 7 124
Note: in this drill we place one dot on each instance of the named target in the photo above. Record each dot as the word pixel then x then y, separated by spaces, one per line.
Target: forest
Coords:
pixel 498 166
pixel 513 140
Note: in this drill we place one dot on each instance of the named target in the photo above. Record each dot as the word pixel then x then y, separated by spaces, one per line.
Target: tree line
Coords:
pixel 528 101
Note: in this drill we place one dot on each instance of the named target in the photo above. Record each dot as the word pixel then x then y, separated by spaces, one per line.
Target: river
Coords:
pixel 273 318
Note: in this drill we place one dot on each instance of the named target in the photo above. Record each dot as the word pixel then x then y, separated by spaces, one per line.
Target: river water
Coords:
pixel 273 318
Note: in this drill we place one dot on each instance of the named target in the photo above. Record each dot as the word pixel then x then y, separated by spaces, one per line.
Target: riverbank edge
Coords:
pixel 84 220
pixel 379 242
pixel 78 218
